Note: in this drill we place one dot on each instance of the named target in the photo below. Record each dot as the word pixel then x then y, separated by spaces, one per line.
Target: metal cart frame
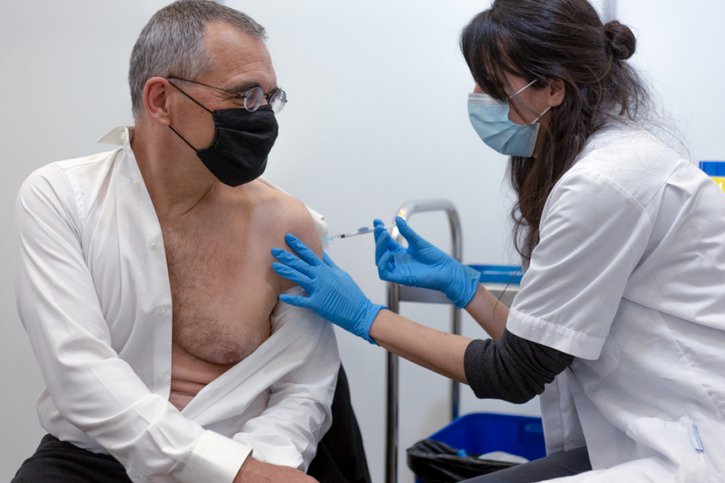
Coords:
pixel 400 293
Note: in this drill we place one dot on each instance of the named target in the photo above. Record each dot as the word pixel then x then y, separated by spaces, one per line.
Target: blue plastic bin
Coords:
pixel 479 433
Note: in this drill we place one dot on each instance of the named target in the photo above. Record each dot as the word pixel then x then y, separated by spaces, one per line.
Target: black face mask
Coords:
pixel 242 141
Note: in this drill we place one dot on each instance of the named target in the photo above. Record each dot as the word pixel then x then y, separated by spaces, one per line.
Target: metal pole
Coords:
pixel 457 253
pixel 455 385
pixel 391 423
pixel 391 415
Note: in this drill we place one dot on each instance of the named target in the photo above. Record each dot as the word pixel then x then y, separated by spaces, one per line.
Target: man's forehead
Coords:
pixel 235 53
pixel 221 38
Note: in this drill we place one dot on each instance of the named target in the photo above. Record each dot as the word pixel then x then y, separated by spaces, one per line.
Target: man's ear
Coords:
pixel 156 99
pixel 557 90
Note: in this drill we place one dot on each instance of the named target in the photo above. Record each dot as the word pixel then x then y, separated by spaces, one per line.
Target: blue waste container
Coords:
pixel 479 433
pixel 470 436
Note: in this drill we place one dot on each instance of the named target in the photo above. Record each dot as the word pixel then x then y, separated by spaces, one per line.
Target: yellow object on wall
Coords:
pixel 720 181
pixel 716 171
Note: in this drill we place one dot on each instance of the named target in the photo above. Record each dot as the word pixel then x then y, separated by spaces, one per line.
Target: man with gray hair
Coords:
pixel 144 278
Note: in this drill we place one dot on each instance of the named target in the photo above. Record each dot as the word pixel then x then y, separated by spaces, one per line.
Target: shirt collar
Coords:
pixel 119 136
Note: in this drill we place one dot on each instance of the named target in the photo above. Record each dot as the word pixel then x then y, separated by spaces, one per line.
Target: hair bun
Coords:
pixel 620 39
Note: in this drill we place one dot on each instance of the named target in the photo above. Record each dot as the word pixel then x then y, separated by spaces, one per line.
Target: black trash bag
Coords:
pixel 436 462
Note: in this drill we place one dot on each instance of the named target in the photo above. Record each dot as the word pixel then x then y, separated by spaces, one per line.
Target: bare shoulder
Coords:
pixel 281 213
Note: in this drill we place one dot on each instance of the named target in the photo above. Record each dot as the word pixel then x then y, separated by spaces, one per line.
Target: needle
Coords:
pixel 363 230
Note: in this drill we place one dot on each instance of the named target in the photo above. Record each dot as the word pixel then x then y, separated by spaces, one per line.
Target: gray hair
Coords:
pixel 172 43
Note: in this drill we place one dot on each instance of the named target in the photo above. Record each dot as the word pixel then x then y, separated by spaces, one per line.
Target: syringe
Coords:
pixel 363 230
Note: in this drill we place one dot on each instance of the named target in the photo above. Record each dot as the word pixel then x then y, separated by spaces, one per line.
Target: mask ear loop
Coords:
pixel 548 108
pixel 520 90
pixel 192 99
pixel 195 102
pixel 182 138
pixel 539 116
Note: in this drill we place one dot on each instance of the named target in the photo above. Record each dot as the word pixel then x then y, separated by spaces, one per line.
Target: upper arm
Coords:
pixel 54 290
pixel 293 216
pixel 304 227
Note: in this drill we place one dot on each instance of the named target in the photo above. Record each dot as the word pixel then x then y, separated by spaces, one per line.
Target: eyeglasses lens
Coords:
pixel 254 98
pixel 278 100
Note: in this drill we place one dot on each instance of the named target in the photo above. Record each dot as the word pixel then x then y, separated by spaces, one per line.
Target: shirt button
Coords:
pixel 153 245
pixel 136 182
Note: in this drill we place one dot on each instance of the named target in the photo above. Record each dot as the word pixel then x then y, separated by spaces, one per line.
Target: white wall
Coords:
pixel 63 83
pixel 376 117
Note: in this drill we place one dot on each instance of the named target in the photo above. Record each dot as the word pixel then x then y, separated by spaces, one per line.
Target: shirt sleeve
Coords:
pixel 299 410
pixel 592 235
pixel 89 384
pixel 512 368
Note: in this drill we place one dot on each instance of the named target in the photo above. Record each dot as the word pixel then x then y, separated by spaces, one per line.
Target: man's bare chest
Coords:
pixel 221 290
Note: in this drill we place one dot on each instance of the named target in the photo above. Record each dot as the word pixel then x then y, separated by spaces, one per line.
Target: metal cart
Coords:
pixel 400 293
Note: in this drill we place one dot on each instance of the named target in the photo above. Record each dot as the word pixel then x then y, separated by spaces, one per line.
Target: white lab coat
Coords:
pixel 629 277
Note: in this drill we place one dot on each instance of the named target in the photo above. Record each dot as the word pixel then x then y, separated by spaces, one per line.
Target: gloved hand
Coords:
pixel 422 264
pixel 331 292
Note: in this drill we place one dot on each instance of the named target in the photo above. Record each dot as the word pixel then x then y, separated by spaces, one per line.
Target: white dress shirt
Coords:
pixel 93 294
pixel 629 277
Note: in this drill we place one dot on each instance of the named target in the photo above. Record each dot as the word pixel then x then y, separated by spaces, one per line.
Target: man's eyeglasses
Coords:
pixel 253 98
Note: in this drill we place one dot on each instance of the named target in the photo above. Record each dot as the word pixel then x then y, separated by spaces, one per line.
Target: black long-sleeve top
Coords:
pixel 512 368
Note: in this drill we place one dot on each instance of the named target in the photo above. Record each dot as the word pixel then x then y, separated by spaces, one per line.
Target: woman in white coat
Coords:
pixel 620 319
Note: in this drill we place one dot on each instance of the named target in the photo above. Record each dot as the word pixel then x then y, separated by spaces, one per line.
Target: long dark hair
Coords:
pixel 540 40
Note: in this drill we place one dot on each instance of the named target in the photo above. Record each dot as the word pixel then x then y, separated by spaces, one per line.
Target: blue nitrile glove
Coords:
pixel 331 292
pixel 422 264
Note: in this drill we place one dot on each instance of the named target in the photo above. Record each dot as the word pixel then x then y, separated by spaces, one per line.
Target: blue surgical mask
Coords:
pixel 490 119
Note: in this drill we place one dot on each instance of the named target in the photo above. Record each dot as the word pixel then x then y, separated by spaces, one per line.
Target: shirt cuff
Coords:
pixel 215 458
